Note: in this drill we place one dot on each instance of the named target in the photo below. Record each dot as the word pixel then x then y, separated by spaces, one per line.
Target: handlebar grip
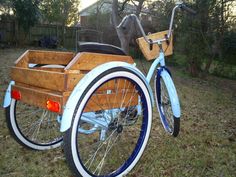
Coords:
pixel 189 10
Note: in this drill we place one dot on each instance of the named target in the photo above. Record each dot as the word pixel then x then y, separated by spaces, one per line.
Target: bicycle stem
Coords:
pixel 154 65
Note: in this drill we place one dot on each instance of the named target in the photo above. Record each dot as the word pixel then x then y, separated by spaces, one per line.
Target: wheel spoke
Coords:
pixel 109 150
pixel 38 127
pixel 165 107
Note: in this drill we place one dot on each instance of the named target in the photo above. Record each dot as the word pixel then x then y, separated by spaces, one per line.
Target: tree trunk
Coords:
pixel 208 65
pixel 194 69
pixel 124 38
pixel 120 33
pixel 16 32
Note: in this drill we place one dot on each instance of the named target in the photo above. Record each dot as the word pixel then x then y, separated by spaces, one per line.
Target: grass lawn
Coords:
pixel 206 145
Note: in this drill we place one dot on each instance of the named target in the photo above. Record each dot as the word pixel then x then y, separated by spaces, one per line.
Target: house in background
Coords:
pixel 98 18
pixel 101 7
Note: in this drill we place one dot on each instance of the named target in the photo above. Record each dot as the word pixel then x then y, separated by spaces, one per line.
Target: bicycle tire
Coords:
pixel 18 119
pixel 84 152
pixel 170 123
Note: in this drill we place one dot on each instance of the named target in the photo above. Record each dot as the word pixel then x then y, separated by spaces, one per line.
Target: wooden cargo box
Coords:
pixel 50 75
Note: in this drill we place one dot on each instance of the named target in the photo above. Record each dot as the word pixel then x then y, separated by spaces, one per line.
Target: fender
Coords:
pixel 7 98
pixel 83 84
pixel 165 74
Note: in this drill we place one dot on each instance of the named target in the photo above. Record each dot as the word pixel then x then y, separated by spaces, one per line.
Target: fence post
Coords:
pixel 16 32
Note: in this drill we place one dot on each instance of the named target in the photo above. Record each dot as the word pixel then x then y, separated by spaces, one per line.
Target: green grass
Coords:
pixel 206 145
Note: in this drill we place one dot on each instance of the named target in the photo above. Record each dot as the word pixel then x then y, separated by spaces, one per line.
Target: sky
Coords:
pixel 86 3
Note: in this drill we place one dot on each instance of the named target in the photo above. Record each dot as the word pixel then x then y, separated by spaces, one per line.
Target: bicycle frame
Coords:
pixel 159 60
pixel 168 81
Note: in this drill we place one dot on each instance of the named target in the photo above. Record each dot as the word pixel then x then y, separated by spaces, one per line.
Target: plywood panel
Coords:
pixel 50 57
pixel 152 54
pixel 22 61
pixel 72 79
pixel 38 97
pixel 65 95
pixel 61 70
pixel 88 61
pixel 44 79
pixel 110 101
pixel 117 84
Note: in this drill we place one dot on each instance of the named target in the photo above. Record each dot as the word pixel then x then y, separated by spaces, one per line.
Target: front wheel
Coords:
pixel 164 92
pixel 110 126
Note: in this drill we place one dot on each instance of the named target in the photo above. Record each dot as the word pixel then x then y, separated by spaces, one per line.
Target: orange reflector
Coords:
pixel 53 106
pixel 15 94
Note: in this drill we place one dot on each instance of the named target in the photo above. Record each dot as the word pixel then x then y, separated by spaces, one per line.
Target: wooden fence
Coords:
pixel 12 34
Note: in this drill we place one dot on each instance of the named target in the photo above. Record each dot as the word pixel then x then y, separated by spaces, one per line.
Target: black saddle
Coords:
pixel 95 47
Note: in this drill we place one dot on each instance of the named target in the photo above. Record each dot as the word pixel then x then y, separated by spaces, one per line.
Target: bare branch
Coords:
pixel 115 12
pixel 123 5
pixel 139 7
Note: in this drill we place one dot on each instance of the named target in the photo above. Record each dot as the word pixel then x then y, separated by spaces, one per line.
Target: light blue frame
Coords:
pixel 168 82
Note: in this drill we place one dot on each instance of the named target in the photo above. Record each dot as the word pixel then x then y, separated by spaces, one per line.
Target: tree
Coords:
pixel 64 12
pixel 26 12
pixel 160 11
pixel 202 36
pixel 125 36
pixel 5 6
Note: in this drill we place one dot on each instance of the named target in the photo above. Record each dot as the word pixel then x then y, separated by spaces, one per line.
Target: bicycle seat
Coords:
pixel 95 47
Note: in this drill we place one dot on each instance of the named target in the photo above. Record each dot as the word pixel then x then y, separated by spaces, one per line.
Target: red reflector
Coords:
pixel 16 94
pixel 53 106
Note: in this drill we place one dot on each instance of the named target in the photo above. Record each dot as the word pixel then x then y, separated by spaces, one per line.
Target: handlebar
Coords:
pixel 125 21
pixel 189 10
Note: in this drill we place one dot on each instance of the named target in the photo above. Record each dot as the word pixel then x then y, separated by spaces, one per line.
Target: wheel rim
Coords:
pixel 35 127
pixel 165 107
pixel 110 152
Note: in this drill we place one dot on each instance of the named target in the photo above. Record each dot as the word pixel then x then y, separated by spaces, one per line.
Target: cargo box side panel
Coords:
pixel 38 97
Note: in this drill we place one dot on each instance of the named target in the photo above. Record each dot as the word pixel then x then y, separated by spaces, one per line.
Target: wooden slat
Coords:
pixel 22 61
pixel 65 96
pixel 72 79
pixel 36 88
pixel 152 54
pixel 110 101
pixel 38 97
pixel 117 84
pixel 88 61
pixel 50 57
pixel 44 79
pixel 61 70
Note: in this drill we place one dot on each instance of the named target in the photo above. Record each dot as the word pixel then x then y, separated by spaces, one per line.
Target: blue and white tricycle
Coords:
pixel 99 100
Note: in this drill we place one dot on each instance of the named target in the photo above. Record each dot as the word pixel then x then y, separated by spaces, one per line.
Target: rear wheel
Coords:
pixel 111 125
pixel 33 127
